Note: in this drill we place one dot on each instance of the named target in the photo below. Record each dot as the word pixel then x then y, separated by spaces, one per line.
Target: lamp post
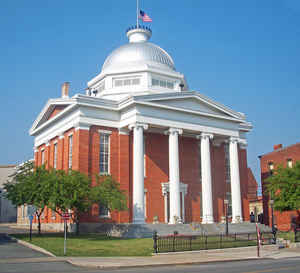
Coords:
pixel 226 215
pixel 273 227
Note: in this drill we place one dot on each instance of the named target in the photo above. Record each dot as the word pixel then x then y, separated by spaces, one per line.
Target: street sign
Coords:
pixel 31 210
pixel 66 216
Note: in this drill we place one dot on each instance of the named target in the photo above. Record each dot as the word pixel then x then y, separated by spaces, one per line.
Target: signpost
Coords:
pixel 31 210
pixel 65 217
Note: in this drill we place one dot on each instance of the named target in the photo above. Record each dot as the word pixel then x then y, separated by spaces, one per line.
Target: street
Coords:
pixel 19 259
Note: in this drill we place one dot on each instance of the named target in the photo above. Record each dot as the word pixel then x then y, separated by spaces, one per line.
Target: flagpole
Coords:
pixel 137 13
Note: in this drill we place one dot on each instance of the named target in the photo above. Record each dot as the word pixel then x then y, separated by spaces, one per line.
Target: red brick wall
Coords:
pixel 278 157
pixel 86 151
pixel 56 110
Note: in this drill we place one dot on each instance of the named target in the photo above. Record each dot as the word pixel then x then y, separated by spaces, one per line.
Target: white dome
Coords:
pixel 138 52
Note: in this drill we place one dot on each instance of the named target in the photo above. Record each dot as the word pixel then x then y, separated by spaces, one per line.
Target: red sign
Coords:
pixel 66 216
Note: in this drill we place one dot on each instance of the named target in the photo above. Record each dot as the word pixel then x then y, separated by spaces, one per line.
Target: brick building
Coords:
pixel 255 201
pixel 285 156
pixel 177 153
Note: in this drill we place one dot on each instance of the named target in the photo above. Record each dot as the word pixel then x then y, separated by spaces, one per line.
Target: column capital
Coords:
pixel 172 131
pixel 47 143
pixel 123 131
pixel 234 140
pixel 138 125
pixel 205 135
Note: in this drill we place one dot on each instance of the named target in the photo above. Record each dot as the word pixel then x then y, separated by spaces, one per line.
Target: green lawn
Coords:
pixel 287 235
pixel 91 245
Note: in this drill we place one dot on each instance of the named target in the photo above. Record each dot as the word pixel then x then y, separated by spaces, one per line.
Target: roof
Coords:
pixel 281 149
pixel 5 172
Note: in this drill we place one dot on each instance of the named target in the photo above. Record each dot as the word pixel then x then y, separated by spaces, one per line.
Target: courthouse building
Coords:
pixel 177 153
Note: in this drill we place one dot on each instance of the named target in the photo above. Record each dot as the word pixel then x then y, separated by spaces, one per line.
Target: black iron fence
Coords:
pixel 297 234
pixel 178 242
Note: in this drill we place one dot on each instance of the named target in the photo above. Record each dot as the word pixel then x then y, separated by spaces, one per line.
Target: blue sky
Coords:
pixel 244 54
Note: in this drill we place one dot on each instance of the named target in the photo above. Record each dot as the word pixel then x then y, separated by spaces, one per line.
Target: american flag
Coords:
pixel 145 17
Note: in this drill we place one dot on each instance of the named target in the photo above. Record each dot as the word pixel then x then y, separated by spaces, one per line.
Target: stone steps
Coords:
pixel 146 230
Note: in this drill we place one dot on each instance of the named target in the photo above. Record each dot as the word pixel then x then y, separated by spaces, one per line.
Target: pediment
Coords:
pixel 197 104
pixel 50 111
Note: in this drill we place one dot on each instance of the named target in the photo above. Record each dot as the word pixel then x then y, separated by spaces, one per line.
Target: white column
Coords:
pixel 207 203
pixel 138 173
pixel 174 175
pixel 166 207
pixel 235 181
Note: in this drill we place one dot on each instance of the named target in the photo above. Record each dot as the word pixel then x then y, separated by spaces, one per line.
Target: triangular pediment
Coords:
pixel 53 108
pixel 197 103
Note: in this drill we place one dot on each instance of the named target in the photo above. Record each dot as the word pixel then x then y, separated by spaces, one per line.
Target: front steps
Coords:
pixel 146 230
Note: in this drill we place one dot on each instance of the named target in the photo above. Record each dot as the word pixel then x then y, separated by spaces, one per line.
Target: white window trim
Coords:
pixel 105 132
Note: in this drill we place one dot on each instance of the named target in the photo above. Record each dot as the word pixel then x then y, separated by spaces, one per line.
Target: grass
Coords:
pixel 90 245
pixel 287 235
pixel 97 245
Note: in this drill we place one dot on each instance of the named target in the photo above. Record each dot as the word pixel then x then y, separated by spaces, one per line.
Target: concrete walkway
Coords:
pixel 184 258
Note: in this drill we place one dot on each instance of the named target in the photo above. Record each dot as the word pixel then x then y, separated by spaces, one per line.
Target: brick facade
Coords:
pixel 279 156
pixel 85 158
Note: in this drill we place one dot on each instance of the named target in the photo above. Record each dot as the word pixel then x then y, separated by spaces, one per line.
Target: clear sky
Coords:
pixel 244 54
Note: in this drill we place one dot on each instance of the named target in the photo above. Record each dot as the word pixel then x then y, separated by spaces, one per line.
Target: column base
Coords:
pixel 208 220
pixel 138 221
pixel 237 220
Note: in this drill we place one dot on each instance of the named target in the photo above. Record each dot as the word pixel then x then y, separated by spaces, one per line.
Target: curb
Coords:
pixel 34 247
pixel 109 267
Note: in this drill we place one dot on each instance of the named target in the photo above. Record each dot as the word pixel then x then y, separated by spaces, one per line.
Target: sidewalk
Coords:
pixel 166 259
pixel 195 257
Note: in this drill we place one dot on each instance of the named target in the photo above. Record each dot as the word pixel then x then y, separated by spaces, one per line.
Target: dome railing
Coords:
pixel 139 27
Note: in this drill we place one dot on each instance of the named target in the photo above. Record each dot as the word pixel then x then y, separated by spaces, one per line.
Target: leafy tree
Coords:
pixel 284 188
pixel 108 192
pixel 73 191
pixel 29 186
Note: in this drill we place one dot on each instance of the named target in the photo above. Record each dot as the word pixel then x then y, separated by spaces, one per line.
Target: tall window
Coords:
pixel 289 162
pixel 104 153
pixel 103 211
pixel 53 214
pixel 55 156
pixel 43 156
pixel 228 197
pixel 271 167
pixel 70 151
pixel 227 162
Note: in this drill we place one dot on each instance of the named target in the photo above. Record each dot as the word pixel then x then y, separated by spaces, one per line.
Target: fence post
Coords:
pixel 191 242
pixel 295 233
pixel 205 241
pixel 274 231
pixel 220 240
pixel 174 238
pixel 155 241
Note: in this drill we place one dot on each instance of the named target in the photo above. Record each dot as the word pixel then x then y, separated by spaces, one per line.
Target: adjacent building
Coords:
pixel 285 156
pixel 177 153
pixel 8 212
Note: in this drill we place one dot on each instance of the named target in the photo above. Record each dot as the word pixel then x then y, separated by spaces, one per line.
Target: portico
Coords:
pixel 174 191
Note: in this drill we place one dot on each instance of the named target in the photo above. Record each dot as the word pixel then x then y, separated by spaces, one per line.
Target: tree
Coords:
pixel 284 188
pixel 29 186
pixel 73 191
